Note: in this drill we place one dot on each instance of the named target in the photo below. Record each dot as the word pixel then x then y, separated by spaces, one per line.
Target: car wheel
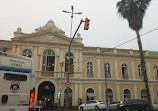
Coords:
pixel 81 109
pixel 127 108
pixel 96 108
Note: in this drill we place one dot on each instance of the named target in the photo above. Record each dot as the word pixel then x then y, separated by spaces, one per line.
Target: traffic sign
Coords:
pixel 67 84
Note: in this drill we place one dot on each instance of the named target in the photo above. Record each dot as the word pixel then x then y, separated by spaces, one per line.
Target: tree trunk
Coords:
pixel 150 108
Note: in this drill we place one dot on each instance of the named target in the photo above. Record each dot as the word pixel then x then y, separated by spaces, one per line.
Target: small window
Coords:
pixel 27 53
pixel 156 72
pixel 124 71
pixel 107 69
pixel 140 72
pixel 15 77
pixel 89 70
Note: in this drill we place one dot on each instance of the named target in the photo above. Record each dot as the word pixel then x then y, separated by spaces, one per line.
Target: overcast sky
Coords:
pixel 107 28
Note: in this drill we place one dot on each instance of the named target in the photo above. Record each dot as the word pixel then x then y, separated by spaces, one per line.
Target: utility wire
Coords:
pixel 125 42
pixel 136 37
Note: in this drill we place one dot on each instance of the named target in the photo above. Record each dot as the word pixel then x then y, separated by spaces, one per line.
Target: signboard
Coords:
pixel 67 84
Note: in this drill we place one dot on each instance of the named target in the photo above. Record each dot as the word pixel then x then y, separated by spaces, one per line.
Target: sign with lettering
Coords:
pixel 16 62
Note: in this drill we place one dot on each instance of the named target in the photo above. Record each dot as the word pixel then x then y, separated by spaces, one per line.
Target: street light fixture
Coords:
pixel 72 8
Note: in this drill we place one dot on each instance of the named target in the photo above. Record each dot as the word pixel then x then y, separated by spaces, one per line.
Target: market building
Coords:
pixel 48 47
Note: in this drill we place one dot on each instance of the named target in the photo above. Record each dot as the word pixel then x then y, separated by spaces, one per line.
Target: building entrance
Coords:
pixel 46 91
pixel 69 97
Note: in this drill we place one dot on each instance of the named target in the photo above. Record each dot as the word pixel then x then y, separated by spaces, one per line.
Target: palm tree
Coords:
pixel 134 11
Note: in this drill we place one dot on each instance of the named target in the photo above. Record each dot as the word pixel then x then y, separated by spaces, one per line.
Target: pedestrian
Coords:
pixel 44 104
pixel 40 102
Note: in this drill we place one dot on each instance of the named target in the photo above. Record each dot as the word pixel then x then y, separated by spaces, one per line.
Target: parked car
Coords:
pixel 135 104
pixel 114 105
pixel 92 105
pixel 155 106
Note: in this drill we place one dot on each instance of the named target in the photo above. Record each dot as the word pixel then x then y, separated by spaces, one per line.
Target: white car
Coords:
pixel 92 105
pixel 155 106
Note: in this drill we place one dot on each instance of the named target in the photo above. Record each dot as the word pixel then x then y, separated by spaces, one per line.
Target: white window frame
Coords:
pixel 107 67
pixel 89 70
pixel 156 72
pixel 127 95
pixel 140 71
pixel 124 71
pixel 48 54
pixel 110 95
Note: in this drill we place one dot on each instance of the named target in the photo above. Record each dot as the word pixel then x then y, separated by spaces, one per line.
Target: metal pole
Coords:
pixel 69 62
pixel 60 86
pixel 72 8
pixel 106 90
pixel 71 39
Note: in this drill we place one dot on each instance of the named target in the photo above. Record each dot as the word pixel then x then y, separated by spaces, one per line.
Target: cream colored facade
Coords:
pixel 50 37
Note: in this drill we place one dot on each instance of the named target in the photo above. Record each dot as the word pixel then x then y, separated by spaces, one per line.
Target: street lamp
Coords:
pixel 72 8
pixel 69 62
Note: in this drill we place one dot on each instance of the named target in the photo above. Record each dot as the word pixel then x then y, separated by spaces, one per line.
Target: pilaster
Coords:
pixel 98 63
pixel 116 69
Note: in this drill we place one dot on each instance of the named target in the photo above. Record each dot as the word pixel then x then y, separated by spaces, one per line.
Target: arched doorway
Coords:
pixel 46 90
pixel 90 94
pixel 69 97
pixel 109 95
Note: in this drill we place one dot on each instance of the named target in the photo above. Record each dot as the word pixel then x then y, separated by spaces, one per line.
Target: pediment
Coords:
pixel 48 37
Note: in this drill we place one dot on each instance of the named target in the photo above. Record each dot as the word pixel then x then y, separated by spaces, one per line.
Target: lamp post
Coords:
pixel 69 61
pixel 106 98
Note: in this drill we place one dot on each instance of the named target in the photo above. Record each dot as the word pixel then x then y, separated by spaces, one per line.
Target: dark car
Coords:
pixel 134 104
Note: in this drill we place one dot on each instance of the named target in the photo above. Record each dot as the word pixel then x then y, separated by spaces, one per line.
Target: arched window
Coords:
pixel 27 53
pixel 109 95
pixel 67 60
pixel 127 94
pixel 124 71
pixel 107 70
pixel 48 60
pixel 89 70
pixel 140 71
pixel 90 94
pixel 143 94
pixel 156 72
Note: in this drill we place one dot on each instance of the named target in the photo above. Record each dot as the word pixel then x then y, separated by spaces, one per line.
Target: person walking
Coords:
pixel 44 104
